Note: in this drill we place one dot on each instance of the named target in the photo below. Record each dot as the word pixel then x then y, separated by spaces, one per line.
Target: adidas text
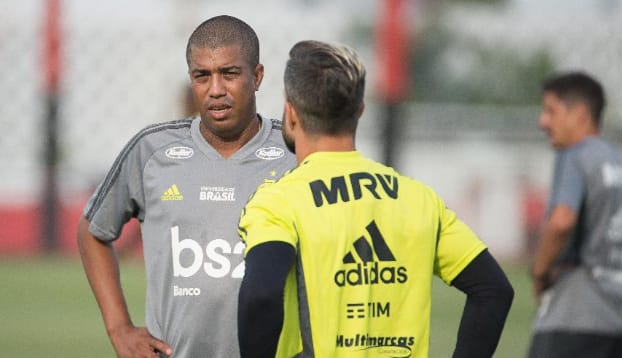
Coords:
pixel 371 275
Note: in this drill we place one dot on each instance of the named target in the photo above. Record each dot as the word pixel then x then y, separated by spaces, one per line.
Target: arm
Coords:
pixel 260 309
pixel 555 234
pixel 102 270
pixel 489 297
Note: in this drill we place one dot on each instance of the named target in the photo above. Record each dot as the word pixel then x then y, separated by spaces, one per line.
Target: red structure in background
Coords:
pixel 533 211
pixel 49 226
pixel 19 229
pixel 51 58
pixel 20 233
pixel 52 34
pixel 393 45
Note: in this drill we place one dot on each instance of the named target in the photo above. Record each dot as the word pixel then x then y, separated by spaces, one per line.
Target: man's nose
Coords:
pixel 217 86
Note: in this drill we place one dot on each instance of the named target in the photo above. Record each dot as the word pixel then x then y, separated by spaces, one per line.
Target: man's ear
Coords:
pixel 291 116
pixel 361 110
pixel 258 73
pixel 582 114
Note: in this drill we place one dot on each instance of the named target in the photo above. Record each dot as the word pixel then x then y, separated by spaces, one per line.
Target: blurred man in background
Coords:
pixel 341 252
pixel 577 271
pixel 187 181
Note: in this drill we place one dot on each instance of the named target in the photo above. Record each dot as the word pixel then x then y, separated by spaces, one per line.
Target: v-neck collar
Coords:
pixel 247 149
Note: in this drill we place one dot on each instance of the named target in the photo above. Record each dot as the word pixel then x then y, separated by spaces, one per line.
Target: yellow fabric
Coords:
pixel 368 244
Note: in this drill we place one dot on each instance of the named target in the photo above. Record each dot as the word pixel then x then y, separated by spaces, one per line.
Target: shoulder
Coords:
pixel 175 128
pixel 592 145
pixel 275 127
pixel 151 138
pixel 277 124
pixel 591 152
pixel 274 146
pixel 159 134
pixel 410 183
pixel 280 192
pixel 268 202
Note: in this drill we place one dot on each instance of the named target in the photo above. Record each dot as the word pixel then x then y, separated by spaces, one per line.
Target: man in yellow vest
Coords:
pixel 341 252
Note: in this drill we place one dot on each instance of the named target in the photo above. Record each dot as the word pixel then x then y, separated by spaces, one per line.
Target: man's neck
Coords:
pixel 226 147
pixel 308 146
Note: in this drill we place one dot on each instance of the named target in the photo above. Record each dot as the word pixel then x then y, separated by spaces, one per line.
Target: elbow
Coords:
pixel 261 298
pixel 504 291
pixel 85 240
pixel 82 231
pixel 562 222
pixel 506 294
pixel 501 295
pixel 561 230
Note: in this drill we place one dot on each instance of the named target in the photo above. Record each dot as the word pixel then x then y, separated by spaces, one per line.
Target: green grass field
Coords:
pixel 47 309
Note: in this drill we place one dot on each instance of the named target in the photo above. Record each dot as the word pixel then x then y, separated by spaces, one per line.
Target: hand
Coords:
pixel 542 281
pixel 136 342
pixel 540 284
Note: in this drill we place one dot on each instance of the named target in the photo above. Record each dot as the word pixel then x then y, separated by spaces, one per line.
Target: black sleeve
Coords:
pixel 260 301
pixel 489 297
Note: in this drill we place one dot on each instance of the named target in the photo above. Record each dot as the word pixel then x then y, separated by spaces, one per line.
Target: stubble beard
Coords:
pixel 288 139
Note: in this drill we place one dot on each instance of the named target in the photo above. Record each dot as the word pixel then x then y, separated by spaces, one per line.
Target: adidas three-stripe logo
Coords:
pixel 368 269
pixel 172 193
pixel 366 252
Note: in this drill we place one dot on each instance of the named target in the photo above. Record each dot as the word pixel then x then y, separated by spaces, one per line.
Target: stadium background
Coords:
pixel 467 125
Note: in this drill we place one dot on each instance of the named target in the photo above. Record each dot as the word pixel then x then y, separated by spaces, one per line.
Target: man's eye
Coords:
pixel 200 77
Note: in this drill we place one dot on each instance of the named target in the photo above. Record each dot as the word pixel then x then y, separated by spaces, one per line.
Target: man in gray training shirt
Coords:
pixel 186 182
pixel 577 271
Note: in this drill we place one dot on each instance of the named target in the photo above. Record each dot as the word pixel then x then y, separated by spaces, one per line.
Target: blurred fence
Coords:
pixel 123 67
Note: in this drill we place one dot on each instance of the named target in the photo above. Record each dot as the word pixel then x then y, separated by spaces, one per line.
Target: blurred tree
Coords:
pixel 450 68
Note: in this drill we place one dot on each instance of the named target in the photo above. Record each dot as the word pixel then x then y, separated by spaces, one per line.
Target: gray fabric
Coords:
pixel 303 311
pixel 188 199
pixel 568 189
pixel 574 304
pixel 568 183
pixel 564 344
pixel 588 178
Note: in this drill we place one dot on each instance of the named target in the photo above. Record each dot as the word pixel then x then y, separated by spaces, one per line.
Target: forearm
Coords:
pixel 556 233
pixel 550 246
pixel 102 271
pixel 489 298
pixel 260 321
pixel 260 304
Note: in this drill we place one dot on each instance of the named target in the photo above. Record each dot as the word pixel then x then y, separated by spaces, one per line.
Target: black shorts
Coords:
pixel 570 345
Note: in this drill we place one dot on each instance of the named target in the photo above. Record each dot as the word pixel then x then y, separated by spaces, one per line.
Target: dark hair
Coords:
pixel 573 87
pixel 326 86
pixel 224 30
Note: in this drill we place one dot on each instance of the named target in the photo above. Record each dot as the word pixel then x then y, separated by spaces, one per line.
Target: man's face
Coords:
pixel 559 120
pixel 224 85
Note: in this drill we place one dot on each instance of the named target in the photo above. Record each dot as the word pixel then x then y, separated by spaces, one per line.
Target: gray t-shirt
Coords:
pixel 188 199
pixel 588 179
